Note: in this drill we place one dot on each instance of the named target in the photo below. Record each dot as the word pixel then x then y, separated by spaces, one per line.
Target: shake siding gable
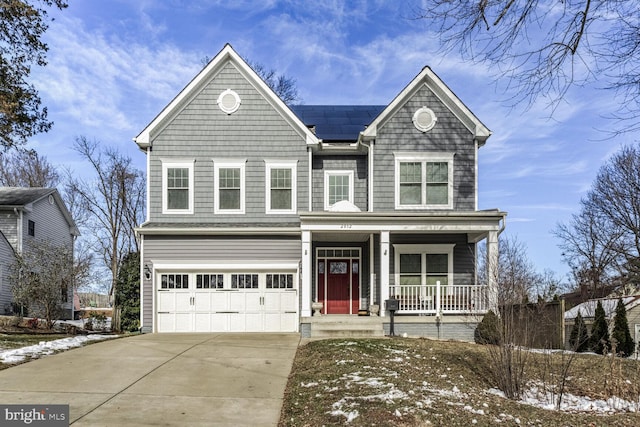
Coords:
pixel 201 131
pixel 398 134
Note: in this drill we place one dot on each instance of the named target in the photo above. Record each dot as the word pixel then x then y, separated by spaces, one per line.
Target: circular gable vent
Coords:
pixel 424 119
pixel 229 101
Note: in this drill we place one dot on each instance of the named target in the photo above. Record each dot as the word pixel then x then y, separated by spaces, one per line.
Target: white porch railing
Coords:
pixel 443 299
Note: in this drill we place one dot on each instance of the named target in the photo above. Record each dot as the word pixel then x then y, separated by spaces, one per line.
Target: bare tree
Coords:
pixel 25 168
pixel 590 246
pixel 283 86
pixel 545 47
pixel 603 242
pixel 43 278
pixel 114 203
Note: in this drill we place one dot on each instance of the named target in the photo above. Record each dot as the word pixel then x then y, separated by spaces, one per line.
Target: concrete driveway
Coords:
pixel 162 379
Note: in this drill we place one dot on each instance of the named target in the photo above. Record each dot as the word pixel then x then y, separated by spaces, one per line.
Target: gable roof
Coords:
pixel 337 122
pixel 23 197
pixel 588 308
pixel 428 78
pixel 226 55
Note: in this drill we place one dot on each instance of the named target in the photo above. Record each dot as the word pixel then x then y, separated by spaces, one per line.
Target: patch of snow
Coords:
pixel 307 385
pixel 45 348
pixel 350 416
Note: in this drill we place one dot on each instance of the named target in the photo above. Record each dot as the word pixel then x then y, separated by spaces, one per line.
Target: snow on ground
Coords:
pixel 536 395
pixel 45 348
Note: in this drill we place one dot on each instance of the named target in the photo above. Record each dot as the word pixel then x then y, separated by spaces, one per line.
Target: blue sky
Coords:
pixel 114 64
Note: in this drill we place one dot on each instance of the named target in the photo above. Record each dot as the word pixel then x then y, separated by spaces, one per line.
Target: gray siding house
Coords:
pixel 27 216
pixel 260 212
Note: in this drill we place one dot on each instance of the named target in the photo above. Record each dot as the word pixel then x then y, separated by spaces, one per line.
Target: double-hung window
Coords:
pixel 229 186
pixel 177 187
pixel 338 187
pixel 424 180
pixel 420 265
pixel 280 179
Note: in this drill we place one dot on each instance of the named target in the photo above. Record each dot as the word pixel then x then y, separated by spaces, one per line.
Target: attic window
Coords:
pixel 229 101
pixel 424 119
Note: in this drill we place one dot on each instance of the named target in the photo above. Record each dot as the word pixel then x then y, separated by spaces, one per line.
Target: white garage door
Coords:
pixel 227 302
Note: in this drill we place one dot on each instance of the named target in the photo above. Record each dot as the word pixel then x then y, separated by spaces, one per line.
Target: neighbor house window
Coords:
pixel 178 187
pixel 424 264
pixel 280 187
pixel 424 180
pixel 229 186
pixel 338 186
pixel 32 228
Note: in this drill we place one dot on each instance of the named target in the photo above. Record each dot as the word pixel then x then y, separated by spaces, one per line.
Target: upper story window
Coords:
pixel 31 228
pixel 338 186
pixel 280 182
pixel 424 180
pixel 229 186
pixel 177 187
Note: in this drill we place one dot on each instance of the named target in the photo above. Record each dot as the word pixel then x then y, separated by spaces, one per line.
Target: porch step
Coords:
pixel 346 326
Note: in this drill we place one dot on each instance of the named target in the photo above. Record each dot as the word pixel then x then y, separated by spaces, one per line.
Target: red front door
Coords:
pixel 338 280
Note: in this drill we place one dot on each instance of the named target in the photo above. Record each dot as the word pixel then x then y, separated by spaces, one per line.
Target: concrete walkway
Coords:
pixel 162 379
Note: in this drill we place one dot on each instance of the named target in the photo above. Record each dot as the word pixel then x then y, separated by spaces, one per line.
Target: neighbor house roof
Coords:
pixel 23 198
pixel 588 308
pixel 337 122
pixel 11 197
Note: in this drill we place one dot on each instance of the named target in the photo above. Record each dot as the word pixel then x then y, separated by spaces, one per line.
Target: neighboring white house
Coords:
pixel 28 215
pixel 587 310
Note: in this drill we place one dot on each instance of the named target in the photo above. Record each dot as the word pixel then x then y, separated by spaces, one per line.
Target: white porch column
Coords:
pixel 384 270
pixel 492 271
pixel 305 286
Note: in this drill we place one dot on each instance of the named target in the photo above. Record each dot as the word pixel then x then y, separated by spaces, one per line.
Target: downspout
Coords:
pixel 19 214
pixel 310 192
pixel 148 198
pixel 370 170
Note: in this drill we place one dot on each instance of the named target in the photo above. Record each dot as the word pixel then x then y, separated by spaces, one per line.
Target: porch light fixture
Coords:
pixel 147 272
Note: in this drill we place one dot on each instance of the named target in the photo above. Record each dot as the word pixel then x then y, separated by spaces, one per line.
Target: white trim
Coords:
pixel 309 165
pixel 443 248
pixel 234 107
pixel 148 183
pixel 292 165
pixel 416 119
pixel 423 158
pixel 330 173
pixel 170 164
pixel 228 164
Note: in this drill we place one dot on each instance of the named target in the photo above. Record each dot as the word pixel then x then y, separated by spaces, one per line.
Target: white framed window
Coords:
pixel 229 186
pixel 177 187
pixel 423 264
pixel 424 180
pixel 280 183
pixel 338 186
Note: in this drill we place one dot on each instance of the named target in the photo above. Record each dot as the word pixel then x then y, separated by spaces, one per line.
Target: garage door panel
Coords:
pixel 219 322
pixel 183 301
pixel 203 322
pixel 237 301
pixel 203 302
pixel 166 322
pixel 220 301
pixel 237 322
pixel 166 301
pixel 183 322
